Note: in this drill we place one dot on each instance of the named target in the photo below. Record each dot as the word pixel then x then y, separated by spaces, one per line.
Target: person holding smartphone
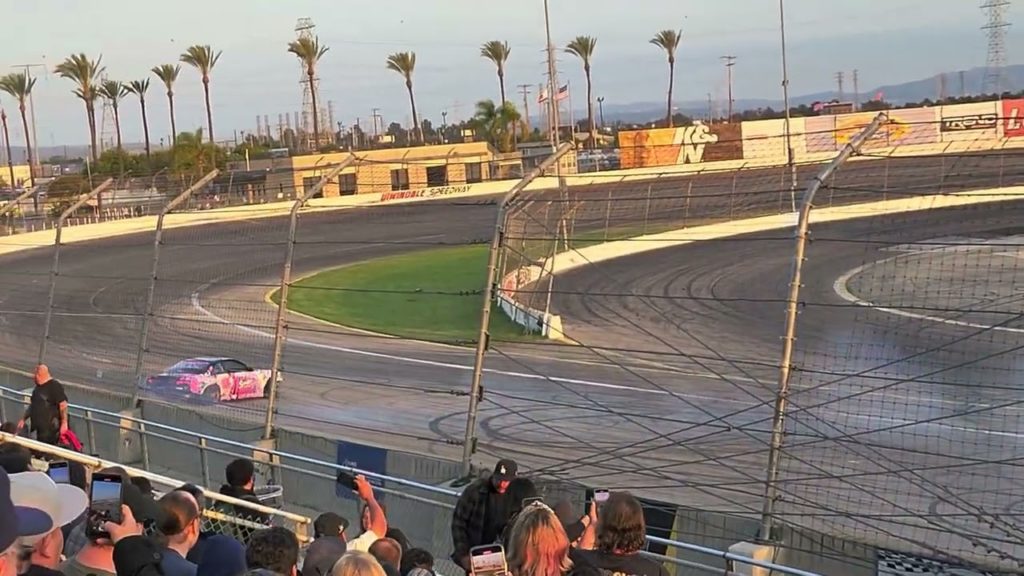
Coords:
pixel 621 535
pixel 482 512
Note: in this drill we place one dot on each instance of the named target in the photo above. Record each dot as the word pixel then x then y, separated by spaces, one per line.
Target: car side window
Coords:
pixel 218 368
pixel 234 366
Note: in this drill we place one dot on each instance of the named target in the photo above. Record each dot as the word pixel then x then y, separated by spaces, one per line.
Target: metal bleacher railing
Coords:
pixel 217 520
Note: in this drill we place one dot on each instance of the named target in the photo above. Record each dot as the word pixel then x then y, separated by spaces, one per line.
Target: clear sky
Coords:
pixel 887 40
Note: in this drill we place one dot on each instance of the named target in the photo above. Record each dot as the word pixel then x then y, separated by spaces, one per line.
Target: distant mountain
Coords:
pixel 914 91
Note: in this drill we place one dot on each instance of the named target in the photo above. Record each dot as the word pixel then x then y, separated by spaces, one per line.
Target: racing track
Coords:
pixel 339 382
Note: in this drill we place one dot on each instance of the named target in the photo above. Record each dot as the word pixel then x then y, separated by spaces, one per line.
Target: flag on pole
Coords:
pixel 563 93
pixel 542 97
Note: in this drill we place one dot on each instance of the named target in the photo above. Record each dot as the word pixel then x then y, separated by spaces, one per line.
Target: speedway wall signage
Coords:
pixel 435 192
pixel 970 122
pixel 684 145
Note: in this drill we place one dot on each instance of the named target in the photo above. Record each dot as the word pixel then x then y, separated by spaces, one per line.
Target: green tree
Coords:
pixel 494 120
pixel 405 64
pixel 191 155
pixel 113 92
pixel 498 52
pixel 203 59
pixel 309 52
pixel 168 74
pixel 139 88
pixel 86 74
pixel 668 40
pixel 19 85
pixel 583 48
pixel 117 162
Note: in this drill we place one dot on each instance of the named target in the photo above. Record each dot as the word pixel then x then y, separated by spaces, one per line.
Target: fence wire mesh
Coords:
pixel 898 434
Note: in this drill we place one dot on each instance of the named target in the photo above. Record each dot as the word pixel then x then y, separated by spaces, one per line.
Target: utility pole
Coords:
pixel 963 85
pixel 600 106
pixel 942 87
pixel 32 107
pixel 552 83
pixel 375 114
pixel 730 61
pixel 856 91
pixel 839 83
pixel 711 110
pixel 524 89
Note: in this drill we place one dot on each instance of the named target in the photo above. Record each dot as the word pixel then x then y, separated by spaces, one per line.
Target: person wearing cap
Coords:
pixel 63 503
pixel 16 522
pixel 482 512
pixel 328 544
pixel 48 409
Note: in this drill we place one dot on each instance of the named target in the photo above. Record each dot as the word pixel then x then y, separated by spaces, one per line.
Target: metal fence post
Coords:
pixel 55 269
pixel 157 241
pixel 204 461
pixel 483 337
pixel 286 280
pixel 90 431
pixel 607 213
pixel 16 203
pixel 144 443
pixel 686 209
pixel 647 209
pixel 792 308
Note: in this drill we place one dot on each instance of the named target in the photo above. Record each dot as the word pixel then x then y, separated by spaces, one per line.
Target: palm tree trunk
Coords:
pixel 90 114
pixel 117 127
pixel 28 145
pixel 145 125
pixel 316 114
pixel 174 129
pixel 501 82
pixel 7 144
pixel 209 112
pixel 417 129
pixel 590 112
pixel 671 85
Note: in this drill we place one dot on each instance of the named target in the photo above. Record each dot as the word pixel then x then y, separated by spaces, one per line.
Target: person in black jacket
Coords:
pixel 482 512
pixel 240 476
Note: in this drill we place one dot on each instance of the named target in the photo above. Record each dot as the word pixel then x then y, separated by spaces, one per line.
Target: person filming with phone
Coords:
pixel 482 512
pixel 376 523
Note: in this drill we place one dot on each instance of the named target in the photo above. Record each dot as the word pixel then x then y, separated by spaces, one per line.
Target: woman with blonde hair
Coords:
pixel 537 544
pixel 354 563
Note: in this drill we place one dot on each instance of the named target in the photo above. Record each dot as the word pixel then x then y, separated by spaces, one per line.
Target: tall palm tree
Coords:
pixel 583 48
pixel 139 88
pixel 19 85
pixel 405 64
pixel 7 144
pixel 668 40
pixel 309 51
pixel 86 74
pixel 203 59
pixel 168 74
pixel 113 92
pixel 497 51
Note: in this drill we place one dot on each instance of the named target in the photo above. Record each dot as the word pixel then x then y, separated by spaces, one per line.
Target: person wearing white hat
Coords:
pixel 63 503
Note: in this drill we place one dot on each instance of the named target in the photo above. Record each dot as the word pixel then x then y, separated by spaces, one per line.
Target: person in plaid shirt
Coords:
pixel 482 512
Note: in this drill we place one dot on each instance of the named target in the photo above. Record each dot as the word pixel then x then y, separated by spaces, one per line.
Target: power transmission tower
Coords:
pixel 856 89
pixel 963 85
pixel 995 30
pixel 524 89
pixel 304 29
pixel 839 83
pixel 730 61
pixel 942 87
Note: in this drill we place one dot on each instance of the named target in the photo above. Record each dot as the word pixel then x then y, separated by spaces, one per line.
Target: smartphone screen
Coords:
pixel 105 499
pixel 601 495
pixel 488 560
pixel 59 472
pixel 530 501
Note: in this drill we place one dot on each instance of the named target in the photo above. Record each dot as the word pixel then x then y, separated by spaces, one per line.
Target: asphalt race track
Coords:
pixel 679 410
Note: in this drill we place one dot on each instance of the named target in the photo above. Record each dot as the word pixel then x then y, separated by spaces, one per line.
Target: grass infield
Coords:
pixel 427 295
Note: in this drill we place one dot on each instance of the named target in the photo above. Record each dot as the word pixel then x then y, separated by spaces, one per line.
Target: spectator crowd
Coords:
pixel 48 526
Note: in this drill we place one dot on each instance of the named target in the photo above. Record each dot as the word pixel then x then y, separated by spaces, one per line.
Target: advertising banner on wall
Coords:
pixel 1013 118
pixel 967 122
pixel 820 134
pixel 766 139
pixel 912 126
pixel 684 145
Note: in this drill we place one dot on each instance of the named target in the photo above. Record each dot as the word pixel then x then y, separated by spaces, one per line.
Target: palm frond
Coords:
pixel 496 51
pixel 18 85
pixel 138 87
pixel 167 73
pixel 582 47
pixel 402 62
pixel 201 57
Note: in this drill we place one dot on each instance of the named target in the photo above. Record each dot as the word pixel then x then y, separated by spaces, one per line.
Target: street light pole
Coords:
pixel 785 103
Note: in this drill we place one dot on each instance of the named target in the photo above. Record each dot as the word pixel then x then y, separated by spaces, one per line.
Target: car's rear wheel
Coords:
pixel 211 394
